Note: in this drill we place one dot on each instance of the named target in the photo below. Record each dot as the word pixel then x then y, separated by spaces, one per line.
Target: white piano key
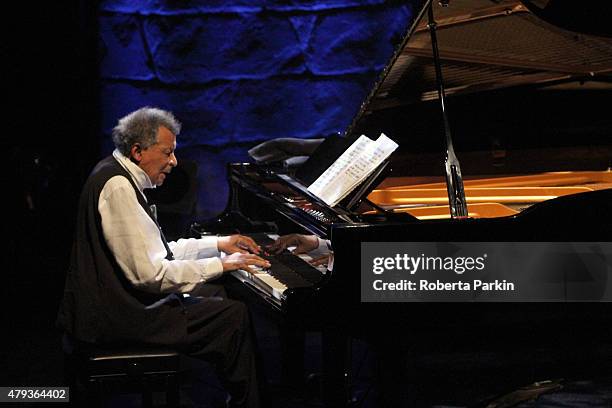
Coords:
pixel 263 280
pixel 277 287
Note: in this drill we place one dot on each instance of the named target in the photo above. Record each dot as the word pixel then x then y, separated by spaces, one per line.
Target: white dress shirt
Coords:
pixel 135 241
pixel 323 248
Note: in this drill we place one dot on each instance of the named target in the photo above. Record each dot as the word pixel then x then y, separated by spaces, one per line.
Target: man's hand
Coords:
pixel 237 243
pixel 302 243
pixel 242 261
pixel 321 260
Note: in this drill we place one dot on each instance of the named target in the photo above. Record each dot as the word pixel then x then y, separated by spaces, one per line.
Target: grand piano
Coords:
pixel 525 124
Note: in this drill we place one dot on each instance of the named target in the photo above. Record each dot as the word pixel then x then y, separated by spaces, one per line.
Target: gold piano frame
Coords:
pixel 486 197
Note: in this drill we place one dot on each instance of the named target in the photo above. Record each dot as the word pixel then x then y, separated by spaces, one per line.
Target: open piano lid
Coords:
pixel 525 97
pixel 487 45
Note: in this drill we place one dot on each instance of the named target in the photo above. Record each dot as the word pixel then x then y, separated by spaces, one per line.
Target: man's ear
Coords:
pixel 136 153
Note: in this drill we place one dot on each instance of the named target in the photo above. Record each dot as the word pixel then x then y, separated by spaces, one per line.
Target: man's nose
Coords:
pixel 173 160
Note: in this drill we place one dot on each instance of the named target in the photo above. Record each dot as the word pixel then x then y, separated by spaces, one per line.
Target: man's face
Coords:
pixel 158 159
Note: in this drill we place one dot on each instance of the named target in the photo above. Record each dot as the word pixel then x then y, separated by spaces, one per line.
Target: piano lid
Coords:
pixel 487 45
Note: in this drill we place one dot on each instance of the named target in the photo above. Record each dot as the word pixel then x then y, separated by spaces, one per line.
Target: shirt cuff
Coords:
pixel 322 249
pixel 207 246
pixel 212 268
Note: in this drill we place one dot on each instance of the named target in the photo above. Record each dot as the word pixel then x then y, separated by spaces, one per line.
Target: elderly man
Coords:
pixel 127 284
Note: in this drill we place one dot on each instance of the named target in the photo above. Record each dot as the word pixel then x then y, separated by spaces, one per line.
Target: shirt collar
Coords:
pixel 139 176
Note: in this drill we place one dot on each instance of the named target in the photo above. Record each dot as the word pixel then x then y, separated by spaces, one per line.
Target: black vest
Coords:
pixel 100 305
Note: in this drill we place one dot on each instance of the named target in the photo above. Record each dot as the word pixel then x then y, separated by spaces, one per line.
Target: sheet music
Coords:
pixel 351 168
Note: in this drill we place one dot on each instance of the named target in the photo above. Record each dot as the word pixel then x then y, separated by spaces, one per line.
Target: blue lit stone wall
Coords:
pixel 239 72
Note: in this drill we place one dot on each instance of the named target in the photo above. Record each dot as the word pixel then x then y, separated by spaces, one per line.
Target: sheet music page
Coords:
pixel 351 168
pixel 329 184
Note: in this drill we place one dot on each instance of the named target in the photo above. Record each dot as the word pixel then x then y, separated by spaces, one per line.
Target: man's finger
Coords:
pixel 277 249
pixel 248 269
pixel 256 260
pixel 248 243
pixel 299 250
pixel 322 260
pixel 250 240
pixel 263 263
pixel 249 256
pixel 284 242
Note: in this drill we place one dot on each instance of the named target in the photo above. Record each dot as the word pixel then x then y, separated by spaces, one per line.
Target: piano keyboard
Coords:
pixel 261 281
pixel 286 271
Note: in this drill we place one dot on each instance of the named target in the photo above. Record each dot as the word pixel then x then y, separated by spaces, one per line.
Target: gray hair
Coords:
pixel 141 127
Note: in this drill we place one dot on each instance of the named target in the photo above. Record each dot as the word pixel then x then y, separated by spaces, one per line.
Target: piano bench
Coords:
pixel 93 374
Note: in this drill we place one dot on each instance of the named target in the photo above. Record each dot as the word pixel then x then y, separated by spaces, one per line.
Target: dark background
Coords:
pixel 234 72
pixel 49 146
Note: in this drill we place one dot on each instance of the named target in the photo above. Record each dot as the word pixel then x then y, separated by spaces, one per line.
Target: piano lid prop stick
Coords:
pixel 454 181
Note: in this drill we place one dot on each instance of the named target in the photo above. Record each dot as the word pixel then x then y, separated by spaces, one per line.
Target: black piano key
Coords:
pixel 307 271
pixel 289 269
pixel 287 276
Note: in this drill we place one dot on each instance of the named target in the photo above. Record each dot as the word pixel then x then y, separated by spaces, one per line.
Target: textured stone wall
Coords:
pixel 243 71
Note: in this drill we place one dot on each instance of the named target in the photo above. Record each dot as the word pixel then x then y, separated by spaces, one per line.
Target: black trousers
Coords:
pixel 219 331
